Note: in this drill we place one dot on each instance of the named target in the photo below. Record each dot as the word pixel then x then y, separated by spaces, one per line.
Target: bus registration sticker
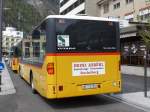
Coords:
pixel 88 68
pixel 63 41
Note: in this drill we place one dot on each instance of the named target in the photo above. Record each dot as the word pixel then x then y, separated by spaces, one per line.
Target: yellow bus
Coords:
pixel 15 54
pixel 80 56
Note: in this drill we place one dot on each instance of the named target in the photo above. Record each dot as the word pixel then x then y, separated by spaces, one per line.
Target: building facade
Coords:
pixel 135 11
pixel 132 10
pixel 133 48
pixel 11 37
pixel 74 7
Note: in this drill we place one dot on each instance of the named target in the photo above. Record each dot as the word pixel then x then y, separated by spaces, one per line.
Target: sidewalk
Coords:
pixel 136 98
pixel 7 86
pixel 134 70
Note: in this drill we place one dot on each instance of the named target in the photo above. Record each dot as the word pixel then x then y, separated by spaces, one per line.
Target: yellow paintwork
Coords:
pixel 15 66
pixel 48 85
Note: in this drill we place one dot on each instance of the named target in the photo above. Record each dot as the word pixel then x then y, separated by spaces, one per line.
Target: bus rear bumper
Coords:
pixel 15 68
pixel 74 90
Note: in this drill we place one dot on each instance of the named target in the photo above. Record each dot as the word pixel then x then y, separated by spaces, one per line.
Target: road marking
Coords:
pixel 128 103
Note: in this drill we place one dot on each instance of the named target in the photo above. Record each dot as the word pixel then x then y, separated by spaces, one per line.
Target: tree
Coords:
pixel 145 34
pixel 24 16
pixel 21 15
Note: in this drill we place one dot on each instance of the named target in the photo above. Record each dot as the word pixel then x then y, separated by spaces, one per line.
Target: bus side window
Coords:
pixel 43 41
pixel 42 45
pixel 39 44
pixel 36 34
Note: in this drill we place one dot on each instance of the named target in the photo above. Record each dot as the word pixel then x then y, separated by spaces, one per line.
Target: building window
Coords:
pixel 117 5
pixel 129 1
pixel 106 7
pixel 131 20
pixel 129 17
pixel 144 15
pixel 27 44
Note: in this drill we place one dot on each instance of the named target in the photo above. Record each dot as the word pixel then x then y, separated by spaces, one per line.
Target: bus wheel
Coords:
pixel 32 85
pixel 17 71
pixel 20 74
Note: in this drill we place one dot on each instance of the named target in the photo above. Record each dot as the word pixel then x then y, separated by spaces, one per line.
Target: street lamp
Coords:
pixel 1 18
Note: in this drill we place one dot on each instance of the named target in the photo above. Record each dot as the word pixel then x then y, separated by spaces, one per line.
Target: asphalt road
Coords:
pixel 25 101
pixel 132 83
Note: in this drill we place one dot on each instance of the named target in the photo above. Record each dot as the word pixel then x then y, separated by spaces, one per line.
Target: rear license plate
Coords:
pixel 89 86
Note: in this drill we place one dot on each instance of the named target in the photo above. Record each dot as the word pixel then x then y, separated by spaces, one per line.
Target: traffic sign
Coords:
pixel 1 66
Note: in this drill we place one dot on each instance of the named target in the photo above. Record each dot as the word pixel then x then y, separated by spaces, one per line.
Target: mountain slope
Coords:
pixel 25 14
pixel 45 7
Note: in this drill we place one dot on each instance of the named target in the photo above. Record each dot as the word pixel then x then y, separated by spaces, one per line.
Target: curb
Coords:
pixel 137 105
pixel 7 86
pixel 8 92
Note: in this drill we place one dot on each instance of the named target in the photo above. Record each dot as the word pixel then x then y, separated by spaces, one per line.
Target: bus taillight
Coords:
pixel 13 62
pixel 50 68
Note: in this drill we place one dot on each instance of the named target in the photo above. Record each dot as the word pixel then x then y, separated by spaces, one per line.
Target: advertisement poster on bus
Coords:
pixel 88 68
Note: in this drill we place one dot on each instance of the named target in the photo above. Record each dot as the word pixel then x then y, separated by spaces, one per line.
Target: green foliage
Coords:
pixel 21 15
pixel 145 34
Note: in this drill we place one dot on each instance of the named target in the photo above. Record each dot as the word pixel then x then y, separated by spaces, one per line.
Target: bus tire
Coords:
pixel 20 74
pixel 17 71
pixel 32 83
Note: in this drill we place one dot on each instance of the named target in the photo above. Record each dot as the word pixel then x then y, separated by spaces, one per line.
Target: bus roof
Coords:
pixel 81 17
pixel 77 17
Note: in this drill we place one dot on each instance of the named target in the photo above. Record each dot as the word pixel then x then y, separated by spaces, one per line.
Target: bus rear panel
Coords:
pixel 87 58
pixel 15 54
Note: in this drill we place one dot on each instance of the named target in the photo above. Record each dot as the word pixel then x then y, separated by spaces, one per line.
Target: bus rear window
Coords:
pixel 86 36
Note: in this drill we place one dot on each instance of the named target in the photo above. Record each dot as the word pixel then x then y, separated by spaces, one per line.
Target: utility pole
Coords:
pixel 145 71
pixel 1 26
